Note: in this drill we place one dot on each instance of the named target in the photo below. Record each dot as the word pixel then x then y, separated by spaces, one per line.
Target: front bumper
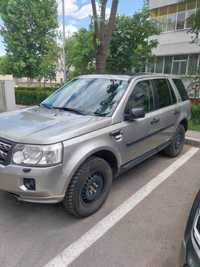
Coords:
pixel 50 183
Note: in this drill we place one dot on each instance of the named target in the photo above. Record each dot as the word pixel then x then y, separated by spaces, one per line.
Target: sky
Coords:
pixel 78 14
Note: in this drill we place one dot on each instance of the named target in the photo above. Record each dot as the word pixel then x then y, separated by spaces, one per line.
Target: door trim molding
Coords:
pixel 147 136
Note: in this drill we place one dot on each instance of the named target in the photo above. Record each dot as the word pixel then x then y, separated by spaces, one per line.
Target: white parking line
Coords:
pixel 73 251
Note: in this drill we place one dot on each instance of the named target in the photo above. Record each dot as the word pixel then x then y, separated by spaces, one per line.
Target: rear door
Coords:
pixel 167 112
pixel 184 101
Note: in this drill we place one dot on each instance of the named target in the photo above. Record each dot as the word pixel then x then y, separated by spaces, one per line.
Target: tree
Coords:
pixel 29 33
pixel 103 29
pixel 131 45
pixel 5 65
pixel 195 22
pixel 49 63
pixel 129 49
pixel 80 53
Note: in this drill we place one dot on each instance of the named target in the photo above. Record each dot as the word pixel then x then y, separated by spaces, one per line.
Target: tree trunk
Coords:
pixel 103 32
pixel 101 57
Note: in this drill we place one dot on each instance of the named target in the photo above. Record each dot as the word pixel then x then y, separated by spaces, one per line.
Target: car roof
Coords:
pixel 127 77
pixel 107 76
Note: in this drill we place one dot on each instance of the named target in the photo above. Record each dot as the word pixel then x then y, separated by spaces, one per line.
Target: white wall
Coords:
pixel 7 93
pixel 175 43
pixel 159 3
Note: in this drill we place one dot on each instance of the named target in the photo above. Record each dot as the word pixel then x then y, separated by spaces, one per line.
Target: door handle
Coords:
pixel 155 120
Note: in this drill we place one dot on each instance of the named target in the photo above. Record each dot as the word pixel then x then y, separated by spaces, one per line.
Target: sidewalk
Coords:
pixel 193 138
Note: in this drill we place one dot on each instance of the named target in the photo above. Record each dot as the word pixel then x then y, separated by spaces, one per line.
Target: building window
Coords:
pixel 192 64
pixel 171 18
pixel 177 16
pixel 189 15
pixel 168 65
pixel 180 25
pixel 159 65
pixel 150 67
pixel 177 65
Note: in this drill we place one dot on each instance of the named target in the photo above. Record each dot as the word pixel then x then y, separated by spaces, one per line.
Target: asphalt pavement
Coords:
pixel 149 235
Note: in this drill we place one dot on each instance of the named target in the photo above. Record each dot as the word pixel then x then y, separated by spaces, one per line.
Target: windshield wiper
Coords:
pixel 45 105
pixel 77 111
pixel 101 114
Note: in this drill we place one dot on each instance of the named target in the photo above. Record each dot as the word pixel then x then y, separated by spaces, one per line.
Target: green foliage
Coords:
pixel 5 66
pixel 196 114
pixel 129 48
pixel 29 34
pixel 195 22
pixel 31 96
pixel 19 88
pixel 193 126
pixel 80 53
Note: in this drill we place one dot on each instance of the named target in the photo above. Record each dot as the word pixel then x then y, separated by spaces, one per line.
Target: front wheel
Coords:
pixel 88 188
pixel 176 146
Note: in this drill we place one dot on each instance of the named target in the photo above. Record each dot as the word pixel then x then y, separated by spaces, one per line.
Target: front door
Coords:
pixel 138 135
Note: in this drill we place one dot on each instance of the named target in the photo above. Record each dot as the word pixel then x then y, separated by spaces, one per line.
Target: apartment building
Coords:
pixel 175 54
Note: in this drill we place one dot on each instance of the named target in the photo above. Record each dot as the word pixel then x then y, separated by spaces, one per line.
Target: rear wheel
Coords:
pixel 89 188
pixel 176 146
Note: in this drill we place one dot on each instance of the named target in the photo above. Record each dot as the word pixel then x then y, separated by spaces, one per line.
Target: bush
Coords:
pixel 196 114
pixel 35 88
pixel 31 96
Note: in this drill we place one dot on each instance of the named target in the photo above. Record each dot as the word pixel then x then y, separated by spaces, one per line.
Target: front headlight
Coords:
pixel 37 155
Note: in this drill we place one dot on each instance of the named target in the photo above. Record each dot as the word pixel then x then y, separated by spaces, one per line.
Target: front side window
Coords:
pixel 95 96
pixel 162 93
pixel 141 97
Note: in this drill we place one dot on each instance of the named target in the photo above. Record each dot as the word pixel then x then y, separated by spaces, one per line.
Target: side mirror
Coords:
pixel 135 113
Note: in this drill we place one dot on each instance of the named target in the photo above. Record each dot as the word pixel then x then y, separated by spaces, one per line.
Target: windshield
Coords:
pixel 88 96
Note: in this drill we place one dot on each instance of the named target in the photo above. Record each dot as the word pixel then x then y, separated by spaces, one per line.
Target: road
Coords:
pixel 148 236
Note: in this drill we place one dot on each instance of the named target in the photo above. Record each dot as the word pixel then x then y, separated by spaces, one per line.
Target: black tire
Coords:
pixel 88 188
pixel 177 144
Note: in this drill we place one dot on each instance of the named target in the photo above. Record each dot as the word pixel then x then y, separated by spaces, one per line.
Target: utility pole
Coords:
pixel 63 22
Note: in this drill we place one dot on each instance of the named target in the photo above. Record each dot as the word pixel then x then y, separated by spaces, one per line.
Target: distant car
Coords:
pixel 71 146
pixel 190 251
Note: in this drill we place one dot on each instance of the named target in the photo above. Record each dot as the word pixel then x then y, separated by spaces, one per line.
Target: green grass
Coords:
pixel 193 126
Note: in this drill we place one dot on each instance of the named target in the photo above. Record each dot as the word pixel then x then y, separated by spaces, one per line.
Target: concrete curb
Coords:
pixel 192 141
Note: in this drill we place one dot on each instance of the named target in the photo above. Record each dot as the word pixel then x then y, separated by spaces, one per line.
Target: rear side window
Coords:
pixel 162 93
pixel 181 89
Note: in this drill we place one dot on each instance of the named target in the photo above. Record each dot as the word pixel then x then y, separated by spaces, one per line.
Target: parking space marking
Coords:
pixel 73 251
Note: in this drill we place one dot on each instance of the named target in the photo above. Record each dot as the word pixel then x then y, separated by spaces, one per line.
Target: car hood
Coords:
pixel 37 125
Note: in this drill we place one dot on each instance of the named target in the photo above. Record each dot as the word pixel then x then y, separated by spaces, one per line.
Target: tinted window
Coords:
pixel 141 97
pixel 181 89
pixel 162 93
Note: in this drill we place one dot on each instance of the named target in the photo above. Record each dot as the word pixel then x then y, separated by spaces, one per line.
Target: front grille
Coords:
pixel 5 152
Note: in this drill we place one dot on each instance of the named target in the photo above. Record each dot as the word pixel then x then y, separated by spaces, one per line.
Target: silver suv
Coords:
pixel 71 146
